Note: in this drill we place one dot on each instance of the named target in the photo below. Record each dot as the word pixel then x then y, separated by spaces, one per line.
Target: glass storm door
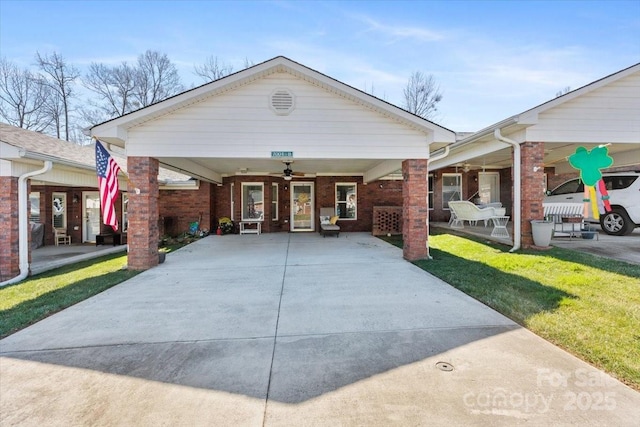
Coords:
pixel 91 214
pixel 302 206
pixel 489 187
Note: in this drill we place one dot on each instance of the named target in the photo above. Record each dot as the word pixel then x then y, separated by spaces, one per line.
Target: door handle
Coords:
pixel 569 198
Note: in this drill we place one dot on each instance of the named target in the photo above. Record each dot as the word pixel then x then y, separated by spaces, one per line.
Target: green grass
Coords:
pixel 42 295
pixel 588 305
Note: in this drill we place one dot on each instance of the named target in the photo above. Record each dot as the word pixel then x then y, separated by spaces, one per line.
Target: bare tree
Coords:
pixel 59 76
pixel 212 69
pixel 248 63
pixel 156 78
pixel 114 86
pixel 22 98
pixel 421 95
pixel 564 90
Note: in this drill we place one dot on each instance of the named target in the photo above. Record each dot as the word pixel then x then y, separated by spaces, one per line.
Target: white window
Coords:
pixel 430 196
pixel 125 216
pixel 347 200
pixel 274 202
pixel 252 201
pixel 451 188
pixel 233 204
pixel 59 210
pixel 34 211
pixel 488 187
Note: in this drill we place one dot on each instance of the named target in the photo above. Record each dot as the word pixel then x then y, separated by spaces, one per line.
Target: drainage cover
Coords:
pixel 444 366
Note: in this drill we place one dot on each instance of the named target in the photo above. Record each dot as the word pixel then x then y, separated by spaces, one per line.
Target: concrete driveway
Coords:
pixel 294 329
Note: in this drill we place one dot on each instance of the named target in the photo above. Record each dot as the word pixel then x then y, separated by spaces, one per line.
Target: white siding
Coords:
pixel 607 114
pixel 240 124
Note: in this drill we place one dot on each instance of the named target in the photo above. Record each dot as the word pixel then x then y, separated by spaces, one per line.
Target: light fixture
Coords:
pixel 76 199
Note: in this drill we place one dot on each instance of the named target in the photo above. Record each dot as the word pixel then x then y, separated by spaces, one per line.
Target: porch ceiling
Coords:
pixel 311 167
pixel 555 155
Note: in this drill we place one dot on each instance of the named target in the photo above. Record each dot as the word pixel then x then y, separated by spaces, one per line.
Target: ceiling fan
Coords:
pixel 288 173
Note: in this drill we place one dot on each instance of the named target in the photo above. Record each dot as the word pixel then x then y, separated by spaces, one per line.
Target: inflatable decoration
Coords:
pixel 589 163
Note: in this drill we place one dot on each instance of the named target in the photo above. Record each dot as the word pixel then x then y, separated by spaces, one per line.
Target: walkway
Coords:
pixel 294 329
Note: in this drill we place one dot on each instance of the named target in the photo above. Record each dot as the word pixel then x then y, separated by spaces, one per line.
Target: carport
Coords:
pixel 238 131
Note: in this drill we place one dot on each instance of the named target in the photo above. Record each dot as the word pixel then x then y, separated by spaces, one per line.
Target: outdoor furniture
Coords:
pixel 250 230
pixel 61 236
pixel 116 238
pixel 326 227
pixel 467 211
pixel 566 218
pixel 500 227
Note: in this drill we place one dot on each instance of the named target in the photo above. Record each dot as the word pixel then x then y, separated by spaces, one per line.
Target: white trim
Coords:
pixel 242 210
pixel 355 187
pixel 292 205
pixel 459 176
pixel 274 191
pixel 233 201
pixel 65 207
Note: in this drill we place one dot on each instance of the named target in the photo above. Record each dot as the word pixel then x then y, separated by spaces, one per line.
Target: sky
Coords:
pixel 491 59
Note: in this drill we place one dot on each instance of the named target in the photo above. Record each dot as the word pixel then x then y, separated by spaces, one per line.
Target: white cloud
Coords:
pixel 397 33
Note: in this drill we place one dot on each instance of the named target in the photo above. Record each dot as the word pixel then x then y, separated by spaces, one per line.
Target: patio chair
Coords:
pixel 328 224
pixel 61 236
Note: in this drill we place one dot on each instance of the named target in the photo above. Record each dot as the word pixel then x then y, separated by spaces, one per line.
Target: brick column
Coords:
pixel 531 190
pixel 143 213
pixel 9 243
pixel 415 209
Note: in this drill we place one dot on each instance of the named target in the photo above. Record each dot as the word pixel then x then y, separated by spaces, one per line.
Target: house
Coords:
pixel 275 143
pixel 280 141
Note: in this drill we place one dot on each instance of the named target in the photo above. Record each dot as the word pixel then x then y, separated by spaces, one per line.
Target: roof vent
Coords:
pixel 282 101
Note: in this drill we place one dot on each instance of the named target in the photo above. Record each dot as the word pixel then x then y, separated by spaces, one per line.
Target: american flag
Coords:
pixel 107 170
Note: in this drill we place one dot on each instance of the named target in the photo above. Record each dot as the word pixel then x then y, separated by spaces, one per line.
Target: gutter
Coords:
pixel 23 232
pixel 481 133
pixel 516 188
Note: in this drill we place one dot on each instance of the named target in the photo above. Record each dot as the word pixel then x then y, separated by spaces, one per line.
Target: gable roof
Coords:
pixel 112 130
pixel 38 146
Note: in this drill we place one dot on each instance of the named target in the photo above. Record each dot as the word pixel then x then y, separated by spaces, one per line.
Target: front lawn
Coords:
pixel 588 305
pixel 39 296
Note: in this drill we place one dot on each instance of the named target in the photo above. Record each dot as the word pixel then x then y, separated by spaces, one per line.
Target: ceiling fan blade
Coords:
pixel 298 173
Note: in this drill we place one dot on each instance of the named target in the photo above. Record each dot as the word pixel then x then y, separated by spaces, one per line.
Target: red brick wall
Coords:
pixel 179 208
pixel 74 211
pixel 9 243
pixel 378 193
pixel 143 214
pixel 415 211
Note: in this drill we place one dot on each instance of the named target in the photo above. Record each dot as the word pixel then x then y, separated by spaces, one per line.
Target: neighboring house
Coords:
pixel 277 142
pixel 479 167
pixel 66 196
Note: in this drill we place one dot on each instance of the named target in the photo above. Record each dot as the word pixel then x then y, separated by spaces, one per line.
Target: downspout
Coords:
pixel 23 223
pixel 433 159
pixel 516 189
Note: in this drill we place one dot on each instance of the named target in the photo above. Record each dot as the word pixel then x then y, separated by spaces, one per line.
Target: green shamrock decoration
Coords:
pixel 590 163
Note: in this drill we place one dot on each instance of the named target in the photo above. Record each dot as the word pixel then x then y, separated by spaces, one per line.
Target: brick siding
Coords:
pixel 9 243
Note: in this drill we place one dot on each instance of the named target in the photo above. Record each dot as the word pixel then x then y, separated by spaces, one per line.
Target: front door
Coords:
pixel 91 215
pixel 302 206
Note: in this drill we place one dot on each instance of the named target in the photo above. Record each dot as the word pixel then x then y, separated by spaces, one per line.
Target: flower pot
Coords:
pixel 161 257
pixel 542 232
